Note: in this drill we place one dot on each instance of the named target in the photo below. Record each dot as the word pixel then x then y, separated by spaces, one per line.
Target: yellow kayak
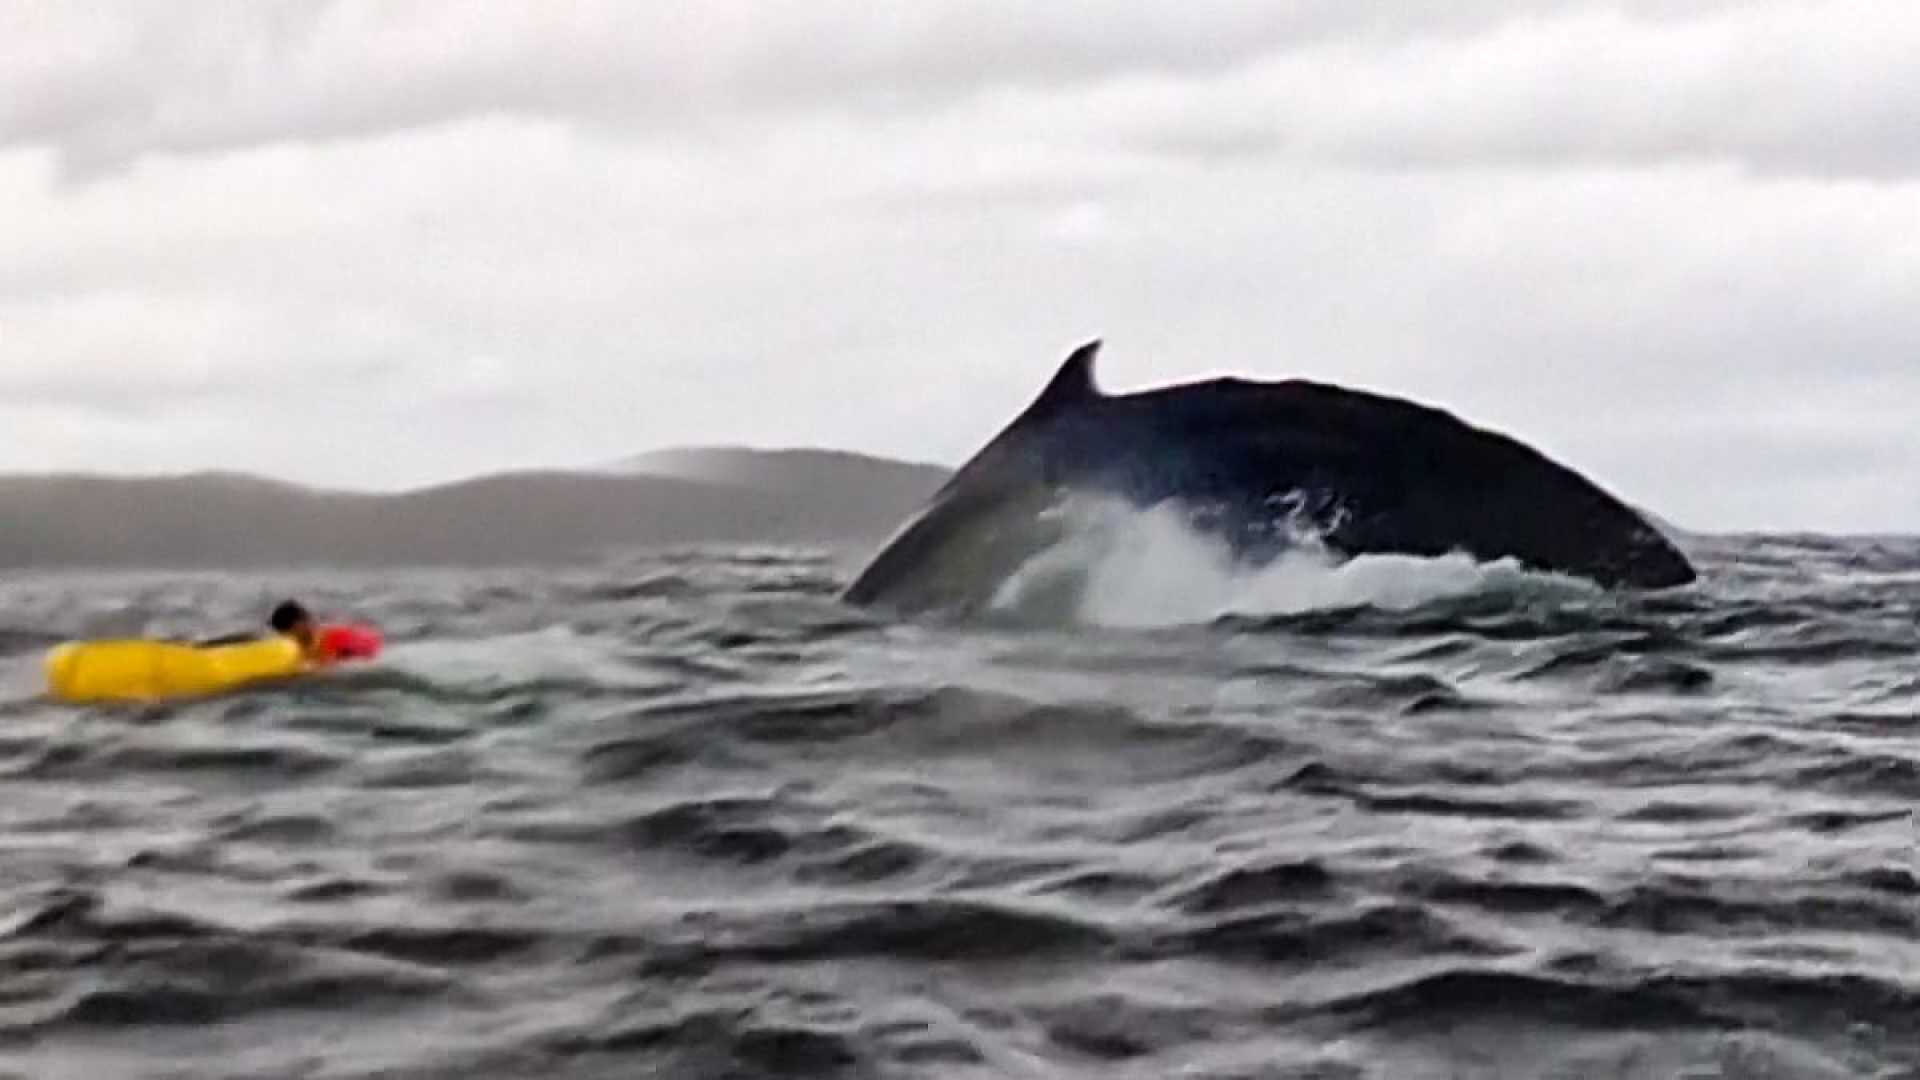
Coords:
pixel 136 669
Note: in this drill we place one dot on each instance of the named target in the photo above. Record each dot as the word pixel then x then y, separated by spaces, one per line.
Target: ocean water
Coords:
pixel 682 814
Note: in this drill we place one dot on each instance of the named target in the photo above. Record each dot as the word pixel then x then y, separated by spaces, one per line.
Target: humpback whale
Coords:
pixel 1260 465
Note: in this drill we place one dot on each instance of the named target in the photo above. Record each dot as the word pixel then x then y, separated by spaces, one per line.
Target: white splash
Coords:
pixel 1124 567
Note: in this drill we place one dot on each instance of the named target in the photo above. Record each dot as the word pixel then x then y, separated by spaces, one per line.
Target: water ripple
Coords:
pixel 682 814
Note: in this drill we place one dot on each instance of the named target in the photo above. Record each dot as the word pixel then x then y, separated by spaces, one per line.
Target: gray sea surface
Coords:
pixel 683 814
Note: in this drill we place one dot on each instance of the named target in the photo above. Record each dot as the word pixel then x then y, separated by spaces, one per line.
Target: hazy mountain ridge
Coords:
pixel 747 465
pixel 218 519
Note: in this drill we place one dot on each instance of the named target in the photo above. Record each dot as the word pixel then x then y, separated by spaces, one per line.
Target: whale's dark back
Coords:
pixel 1379 474
pixel 1370 473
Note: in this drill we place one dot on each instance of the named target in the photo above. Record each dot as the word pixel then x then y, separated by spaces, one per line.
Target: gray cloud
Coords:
pixel 377 245
pixel 106 90
pixel 1776 87
pixel 1477 80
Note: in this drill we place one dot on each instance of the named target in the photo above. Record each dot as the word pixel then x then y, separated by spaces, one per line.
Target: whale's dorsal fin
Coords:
pixel 1070 386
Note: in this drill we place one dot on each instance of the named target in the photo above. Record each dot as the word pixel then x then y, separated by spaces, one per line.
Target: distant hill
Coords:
pixel 788 470
pixel 834 484
pixel 236 521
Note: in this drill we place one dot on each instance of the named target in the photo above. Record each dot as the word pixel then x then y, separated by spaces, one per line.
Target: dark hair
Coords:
pixel 287 615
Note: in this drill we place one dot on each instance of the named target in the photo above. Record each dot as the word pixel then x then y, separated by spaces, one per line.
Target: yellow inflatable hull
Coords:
pixel 143 670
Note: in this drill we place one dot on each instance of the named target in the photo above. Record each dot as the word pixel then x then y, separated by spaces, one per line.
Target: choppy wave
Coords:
pixel 683 814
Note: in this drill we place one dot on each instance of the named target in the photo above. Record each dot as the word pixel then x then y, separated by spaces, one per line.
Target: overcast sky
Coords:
pixel 1675 244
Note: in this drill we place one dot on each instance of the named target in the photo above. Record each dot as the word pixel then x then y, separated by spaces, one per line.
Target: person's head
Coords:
pixel 292 619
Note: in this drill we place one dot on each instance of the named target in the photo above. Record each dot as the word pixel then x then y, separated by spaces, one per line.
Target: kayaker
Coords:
pixel 289 619
pixel 293 620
